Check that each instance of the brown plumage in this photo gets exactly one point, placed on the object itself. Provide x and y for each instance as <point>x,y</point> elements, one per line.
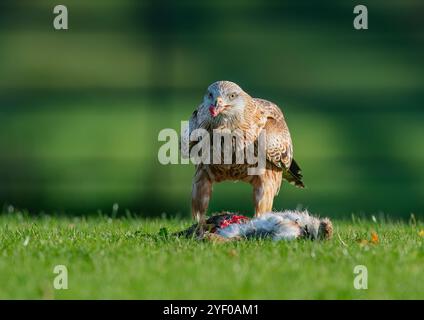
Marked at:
<point>226,106</point>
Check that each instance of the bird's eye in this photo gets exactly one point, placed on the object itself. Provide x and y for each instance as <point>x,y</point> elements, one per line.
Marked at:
<point>210,95</point>
<point>232,96</point>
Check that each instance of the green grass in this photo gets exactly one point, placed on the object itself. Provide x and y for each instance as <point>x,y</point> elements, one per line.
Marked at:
<point>114,258</point>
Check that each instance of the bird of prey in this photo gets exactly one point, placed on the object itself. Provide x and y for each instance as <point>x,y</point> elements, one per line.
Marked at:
<point>226,106</point>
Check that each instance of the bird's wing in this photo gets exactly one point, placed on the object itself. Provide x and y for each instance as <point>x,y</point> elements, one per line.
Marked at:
<point>279,147</point>
<point>196,121</point>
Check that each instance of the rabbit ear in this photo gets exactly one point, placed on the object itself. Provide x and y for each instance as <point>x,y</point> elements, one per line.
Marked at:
<point>325,229</point>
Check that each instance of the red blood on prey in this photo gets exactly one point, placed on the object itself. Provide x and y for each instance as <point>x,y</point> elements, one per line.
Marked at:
<point>234,219</point>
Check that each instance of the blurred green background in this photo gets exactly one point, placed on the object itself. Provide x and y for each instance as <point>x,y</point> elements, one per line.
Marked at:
<point>80,110</point>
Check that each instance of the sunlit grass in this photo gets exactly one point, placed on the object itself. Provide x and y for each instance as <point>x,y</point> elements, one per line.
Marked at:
<point>126,258</point>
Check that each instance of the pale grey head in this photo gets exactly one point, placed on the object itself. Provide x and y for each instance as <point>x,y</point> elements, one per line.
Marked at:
<point>225,100</point>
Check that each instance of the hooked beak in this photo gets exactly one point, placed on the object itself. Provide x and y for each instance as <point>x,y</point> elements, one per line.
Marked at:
<point>215,109</point>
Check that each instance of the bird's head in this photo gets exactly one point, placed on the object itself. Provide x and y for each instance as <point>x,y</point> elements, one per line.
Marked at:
<point>225,99</point>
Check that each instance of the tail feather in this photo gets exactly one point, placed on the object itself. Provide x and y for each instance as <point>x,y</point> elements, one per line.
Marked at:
<point>294,175</point>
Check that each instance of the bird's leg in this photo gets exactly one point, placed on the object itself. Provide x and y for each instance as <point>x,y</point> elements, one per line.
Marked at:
<point>201,193</point>
<point>263,196</point>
